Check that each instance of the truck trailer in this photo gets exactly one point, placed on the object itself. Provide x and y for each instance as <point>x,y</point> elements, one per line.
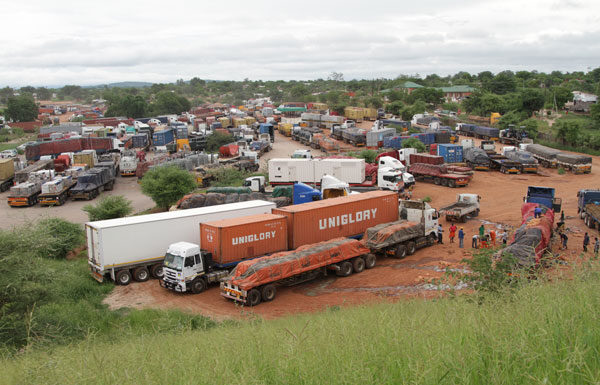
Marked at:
<point>134,246</point>
<point>256,280</point>
<point>439,174</point>
<point>588,207</point>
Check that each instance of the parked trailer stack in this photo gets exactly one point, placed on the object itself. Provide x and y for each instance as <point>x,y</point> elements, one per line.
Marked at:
<point>26,193</point>
<point>135,246</point>
<point>255,281</point>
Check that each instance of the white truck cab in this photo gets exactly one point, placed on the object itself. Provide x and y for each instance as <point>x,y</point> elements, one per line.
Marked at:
<point>302,154</point>
<point>506,149</point>
<point>404,155</point>
<point>187,268</point>
<point>420,212</point>
<point>387,162</point>
<point>255,183</point>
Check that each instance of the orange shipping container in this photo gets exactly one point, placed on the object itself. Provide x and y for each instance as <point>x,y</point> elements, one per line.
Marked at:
<point>338,217</point>
<point>237,239</point>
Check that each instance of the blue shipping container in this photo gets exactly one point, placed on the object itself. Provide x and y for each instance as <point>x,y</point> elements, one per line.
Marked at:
<point>452,153</point>
<point>164,137</point>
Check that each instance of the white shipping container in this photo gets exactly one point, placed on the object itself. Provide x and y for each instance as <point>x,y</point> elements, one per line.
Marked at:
<point>54,186</point>
<point>346,170</point>
<point>125,243</point>
<point>287,170</point>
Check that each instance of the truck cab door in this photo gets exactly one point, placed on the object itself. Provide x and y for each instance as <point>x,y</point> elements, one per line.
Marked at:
<point>189,267</point>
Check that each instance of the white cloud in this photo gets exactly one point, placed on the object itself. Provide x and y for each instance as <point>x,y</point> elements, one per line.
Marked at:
<point>67,42</point>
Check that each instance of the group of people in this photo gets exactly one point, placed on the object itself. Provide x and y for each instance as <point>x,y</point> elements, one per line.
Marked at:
<point>586,243</point>
<point>483,239</point>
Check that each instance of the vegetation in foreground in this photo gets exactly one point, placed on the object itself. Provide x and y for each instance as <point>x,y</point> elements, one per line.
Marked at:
<point>540,333</point>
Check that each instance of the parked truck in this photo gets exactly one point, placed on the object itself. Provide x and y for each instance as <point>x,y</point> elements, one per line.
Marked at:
<point>588,207</point>
<point>439,174</point>
<point>576,163</point>
<point>7,173</point>
<point>23,175</point>
<point>128,163</point>
<point>544,196</point>
<point>255,281</point>
<point>92,182</point>
<point>134,247</point>
<point>465,207</point>
<point>546,156</point>
<point>56,191</point>
<point>526,163</point>
<point>476,158</point>
<point>225,243</point>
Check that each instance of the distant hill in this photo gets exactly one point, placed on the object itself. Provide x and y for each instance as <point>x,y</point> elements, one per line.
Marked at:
<point>123,85</point>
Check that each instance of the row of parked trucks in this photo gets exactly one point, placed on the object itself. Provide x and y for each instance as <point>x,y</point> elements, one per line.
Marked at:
<point>270,246</point>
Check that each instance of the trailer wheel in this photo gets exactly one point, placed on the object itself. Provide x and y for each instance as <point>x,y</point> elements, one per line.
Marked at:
<point>268,292</point>
<point>123,277</point>
<point>345,269</point>
<point>400,252</point>
<point>444,182</point>
<point>436,180</point>
<point>358,264</point>
<point>141,274</point>
<point>451,183</point>
<point>157,271</point>
<point>431,239</point>
<point>253,297</point>
<point>370,261</point>
<point>198,285</point>
<point>411,248</point>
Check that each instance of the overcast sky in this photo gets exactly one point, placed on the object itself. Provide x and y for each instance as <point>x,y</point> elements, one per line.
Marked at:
<point>79,42</point>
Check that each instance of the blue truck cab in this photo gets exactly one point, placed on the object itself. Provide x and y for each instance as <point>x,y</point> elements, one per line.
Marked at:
<point>267,128</point>
<point>303,193</point>
<point>543,196</point>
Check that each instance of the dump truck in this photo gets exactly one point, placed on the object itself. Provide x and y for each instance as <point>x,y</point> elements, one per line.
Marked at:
<point>546,156</point>
<point>588,207</point>
<point>134,247</point>
<point>438,174</point>
<point>223,244</point>
<point>7,173</point>
<point>92,182</point>
<point>255,281</point>
<point>56,191</point>
<point>465,207</point>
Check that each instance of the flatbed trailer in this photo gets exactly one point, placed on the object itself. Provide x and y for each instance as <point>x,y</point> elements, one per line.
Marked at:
<point>438,175</point>
<point>503,164</point>
<point>24,200</point>
<point>6,183</point>
<point>56,199</point>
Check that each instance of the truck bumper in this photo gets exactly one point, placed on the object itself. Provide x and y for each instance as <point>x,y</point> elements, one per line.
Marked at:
<point>127,173</point>
<point>175,286</point>
<point>96,273</point>
<point>233,292</point>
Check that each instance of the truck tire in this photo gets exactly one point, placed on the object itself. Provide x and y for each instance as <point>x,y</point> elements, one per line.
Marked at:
<point>123,277</point>
<point>431,239</point>
<point>345,269</point>
<point>268,292</point>
<point>436,180</point>
<point>444,182</point>
<point>370,261</point>
<point>198,285</point>
<point>157,270</point>
<point>400,252</point>
<point>358,264</point>
<point>141,274</point>
<point>411,248</point>
<point>253,297</point>
<point>451,183</point>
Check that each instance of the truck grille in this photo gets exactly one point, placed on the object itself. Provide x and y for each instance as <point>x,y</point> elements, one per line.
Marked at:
<point>169,275</point>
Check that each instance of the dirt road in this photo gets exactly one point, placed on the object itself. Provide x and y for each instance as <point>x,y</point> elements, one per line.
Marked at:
<point>392,279</point>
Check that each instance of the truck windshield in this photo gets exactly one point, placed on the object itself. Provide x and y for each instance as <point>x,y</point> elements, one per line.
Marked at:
<point>174,262</point>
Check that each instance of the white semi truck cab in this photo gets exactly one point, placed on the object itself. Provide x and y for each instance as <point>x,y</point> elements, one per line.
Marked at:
<point>420,212</point>
<point>187,268</point>
<point>389,169</point>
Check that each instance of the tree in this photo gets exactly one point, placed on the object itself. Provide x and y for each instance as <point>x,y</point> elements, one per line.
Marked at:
<point>22,108</point>
<point>336,76</point>
<point>595,113</point>
<point>374,101</point>
<point>414,143</point>
<point>511,117</point>
<point>166,185</point>
<point>530,126</point>
<point>129,106</point>
<point>502,83</point>
<point>568,131</point>
<point>532,100</point>
<point>427,95</point>
<point>110,207</point>
<point>394,108</point>
<point>216,140</point>
<point>168,102</point>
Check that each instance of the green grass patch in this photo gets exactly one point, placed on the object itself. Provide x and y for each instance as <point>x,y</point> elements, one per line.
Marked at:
<point>542,333</point>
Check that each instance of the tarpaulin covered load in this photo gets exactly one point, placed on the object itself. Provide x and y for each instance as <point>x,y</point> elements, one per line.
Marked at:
<point>229,150</point>
<point>193,201</point>
<point>522,157</point>
<point>544,151</point>
<point>490,132</point>
<point>572,158</point>
<point>388,234</point>
<point>532,237</point>
<point>355,135</point>
<point>229,190</point>
<point>476,155</point>
<point>256,272</point>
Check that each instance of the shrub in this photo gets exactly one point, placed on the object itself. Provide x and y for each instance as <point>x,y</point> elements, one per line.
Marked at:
<point>561,171</point>
<point>216,140</point>
<point>427,199</point>
<point>414,143</point>
<point>166,185</point>
<point>115,206</point>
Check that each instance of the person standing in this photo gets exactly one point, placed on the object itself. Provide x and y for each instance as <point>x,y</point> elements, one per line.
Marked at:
<point>565,239</point>
<point>461,238</point>
<point>493,237</point>
<point>474,241</point>
<point>537,212</point>
<point>440,231</point>
<point>504,237</point>
<point>596,246</point>
<point>481,231</point>
<point>586,241</point>
<point>452,233</point>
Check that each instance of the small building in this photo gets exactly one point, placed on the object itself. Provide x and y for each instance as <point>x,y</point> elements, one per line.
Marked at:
<point>456,93</point>
<point>581,102</point>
